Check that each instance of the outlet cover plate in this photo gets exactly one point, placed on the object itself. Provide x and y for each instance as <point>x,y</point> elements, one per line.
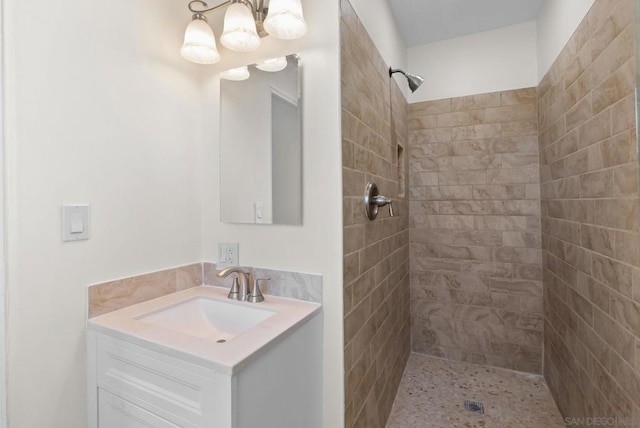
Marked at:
<point>228,254</point>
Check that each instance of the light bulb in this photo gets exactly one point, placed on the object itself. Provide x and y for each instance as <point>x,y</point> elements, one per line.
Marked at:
<point>285,19</point>
<point>199,43</point>
<point>273,65</point>
<point>239,29</point>
<point>237,74</point>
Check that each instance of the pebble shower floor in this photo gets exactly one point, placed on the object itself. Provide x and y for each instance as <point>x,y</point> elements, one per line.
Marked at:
<point>433,392</point>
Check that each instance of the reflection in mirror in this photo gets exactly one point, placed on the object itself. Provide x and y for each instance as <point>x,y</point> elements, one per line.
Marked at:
<point>261,145</point>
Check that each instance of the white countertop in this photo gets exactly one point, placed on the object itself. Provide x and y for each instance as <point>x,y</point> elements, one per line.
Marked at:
<point>228,357</point>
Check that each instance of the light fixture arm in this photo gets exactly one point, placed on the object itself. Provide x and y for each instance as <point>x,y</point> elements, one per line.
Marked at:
<point>208,9</point>
<point>258,11</point>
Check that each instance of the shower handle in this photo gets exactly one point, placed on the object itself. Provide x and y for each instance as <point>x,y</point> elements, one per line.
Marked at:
<point>373,201</point>
<point>381,201</point>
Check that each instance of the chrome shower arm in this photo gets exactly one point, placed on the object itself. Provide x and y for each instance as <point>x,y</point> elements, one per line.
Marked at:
<point>392,71</point>
<point>413,79</point>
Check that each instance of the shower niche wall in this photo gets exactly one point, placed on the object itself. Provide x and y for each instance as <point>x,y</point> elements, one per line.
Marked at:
<point>476,277</point>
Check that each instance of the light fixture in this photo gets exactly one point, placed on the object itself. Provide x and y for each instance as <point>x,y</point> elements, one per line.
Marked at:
<point>285,20</point>
<point>273,65</point>
<point>239,29</point>
<point>237,74</point>
<point>199,44</point>
<point>244,25</point>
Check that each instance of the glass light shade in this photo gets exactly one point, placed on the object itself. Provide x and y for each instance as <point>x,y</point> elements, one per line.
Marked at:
<point>273,65</point>
<point>240,73</point>
<point>239,29</point>
<point>199,43</point>
<point>285,19</point>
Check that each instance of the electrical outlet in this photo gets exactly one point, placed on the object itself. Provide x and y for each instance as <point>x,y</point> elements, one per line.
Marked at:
<point>228,254</point>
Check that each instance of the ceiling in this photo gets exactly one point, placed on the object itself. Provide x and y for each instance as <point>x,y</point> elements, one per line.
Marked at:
<point>426,21</point>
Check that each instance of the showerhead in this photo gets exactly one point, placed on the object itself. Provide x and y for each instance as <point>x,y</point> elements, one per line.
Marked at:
<point>414,80</point>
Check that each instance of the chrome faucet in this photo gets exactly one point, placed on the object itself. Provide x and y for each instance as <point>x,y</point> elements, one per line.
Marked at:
<point>241,276</point>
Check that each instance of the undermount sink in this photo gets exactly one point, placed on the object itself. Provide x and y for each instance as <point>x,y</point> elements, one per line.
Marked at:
<point>208,318</point>
<point>203,326</point>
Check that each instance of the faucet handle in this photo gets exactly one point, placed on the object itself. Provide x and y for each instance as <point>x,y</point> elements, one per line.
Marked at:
<point>234,292</point>
<point>256,295</point>
<point>381,201</point>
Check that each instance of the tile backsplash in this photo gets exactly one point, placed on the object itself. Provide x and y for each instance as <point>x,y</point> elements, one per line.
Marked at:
<point>113,295</point>
<point>293,285</point>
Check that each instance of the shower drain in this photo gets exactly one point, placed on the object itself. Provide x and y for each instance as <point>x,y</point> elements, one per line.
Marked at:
<point>474,406</point>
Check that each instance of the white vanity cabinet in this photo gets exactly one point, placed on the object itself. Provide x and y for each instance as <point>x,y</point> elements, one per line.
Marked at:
<point>134,383</point>
<point>116,412</point>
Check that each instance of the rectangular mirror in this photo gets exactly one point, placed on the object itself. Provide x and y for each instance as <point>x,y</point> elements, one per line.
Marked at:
<point>261,145</point>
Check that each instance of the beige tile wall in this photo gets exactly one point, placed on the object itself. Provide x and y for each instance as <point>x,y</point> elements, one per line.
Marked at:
<point>376,254</point>
<point>590,219</point>
<point>475,229</point>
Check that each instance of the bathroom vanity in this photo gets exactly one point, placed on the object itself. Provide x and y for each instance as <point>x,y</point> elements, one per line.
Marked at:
<point>197,359</point>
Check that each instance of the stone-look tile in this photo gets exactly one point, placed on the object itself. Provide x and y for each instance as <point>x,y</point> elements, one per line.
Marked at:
<point>433,391</point>
<point>475,102</point>
<point>376,253</point>
<point>504,191</point>
<point>625,180</point>
<point>520,97</point>
<point>293,285</point>
<point>580,113</point>
<point>589,182</point>
<point>110,296</point>
<point>616,87</point>
<point>524,143</point>
<point>189,276</point>
<point>476,230</point>
<point>209,275</point>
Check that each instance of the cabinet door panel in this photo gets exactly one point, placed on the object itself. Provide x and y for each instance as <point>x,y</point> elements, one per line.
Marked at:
<point>114,412</point>
<point>176,390</point>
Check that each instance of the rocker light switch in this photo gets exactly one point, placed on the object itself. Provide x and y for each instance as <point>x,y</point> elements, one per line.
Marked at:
<point>75,222</point>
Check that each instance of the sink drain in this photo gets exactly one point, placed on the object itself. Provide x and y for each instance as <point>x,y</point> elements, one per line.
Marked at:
<point>474,406</point>
<point>220,341</point>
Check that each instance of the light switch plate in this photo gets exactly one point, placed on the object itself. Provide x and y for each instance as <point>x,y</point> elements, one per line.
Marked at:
<point>75,222</point>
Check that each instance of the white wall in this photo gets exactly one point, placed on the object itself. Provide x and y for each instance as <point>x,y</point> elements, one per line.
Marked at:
<point>507,58</point>
<point>100,109</point>
<point>378,20</point>
<point>489,61</point>
<point>557,21</point>
<point>316,245</point>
